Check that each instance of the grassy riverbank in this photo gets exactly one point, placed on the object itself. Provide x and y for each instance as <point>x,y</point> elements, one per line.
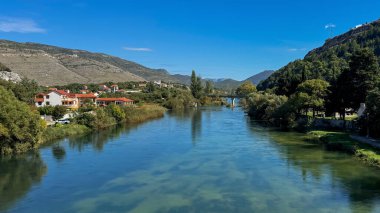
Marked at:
<point>62,131</point>
<point>341,141</point>
<point>131,115</point>
<point>143,113</point>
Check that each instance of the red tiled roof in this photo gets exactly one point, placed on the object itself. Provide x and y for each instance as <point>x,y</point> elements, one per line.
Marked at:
<point>38,100</point>
<point>114,99</point>
<point>90,95</point>
<point>63,92</point>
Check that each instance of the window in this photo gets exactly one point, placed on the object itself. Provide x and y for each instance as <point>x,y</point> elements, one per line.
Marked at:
<point>39,103</point>
<point>47,103</point>
<point>48,96</point>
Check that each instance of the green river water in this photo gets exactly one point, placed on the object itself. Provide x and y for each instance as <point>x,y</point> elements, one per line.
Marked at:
<point>206,160</point>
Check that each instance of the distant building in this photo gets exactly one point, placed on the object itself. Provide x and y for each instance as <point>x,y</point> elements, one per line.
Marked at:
<point>104,88</point>
<point>117,101</point>
<point>142,84</point>
<point>114,88</point>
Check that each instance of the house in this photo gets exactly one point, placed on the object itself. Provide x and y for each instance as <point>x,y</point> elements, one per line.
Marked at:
<point>63,98</point>
<point>83,99</point>
<point>104,88</point>
<point>117,101</point>
<point>114,88</point>
<point>56,98</point>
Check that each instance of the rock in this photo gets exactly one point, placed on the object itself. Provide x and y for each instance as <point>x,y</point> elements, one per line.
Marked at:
<point>10,76</point>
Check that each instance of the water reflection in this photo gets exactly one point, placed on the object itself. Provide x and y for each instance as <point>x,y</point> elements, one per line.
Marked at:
<point>58,152</point>
<point>99,139</point>
<point>196,125</point>
<point>17,176</point>
<point>195,115</point>
<point>360,183</point>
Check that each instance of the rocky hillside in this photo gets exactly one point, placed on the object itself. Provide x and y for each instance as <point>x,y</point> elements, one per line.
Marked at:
<point>50,65</point>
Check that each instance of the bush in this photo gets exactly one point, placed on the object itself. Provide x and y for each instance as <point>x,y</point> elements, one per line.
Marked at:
<point>116,112</point>
<point>262,106</point>
<point>20,126</point>
<point>102,119</point>
<point>56,111</point>
<point>86,119</point>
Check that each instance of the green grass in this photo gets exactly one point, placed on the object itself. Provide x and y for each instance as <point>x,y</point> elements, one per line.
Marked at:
<point>62,131</point>
<point>143,113</point>
<point>341,141</point>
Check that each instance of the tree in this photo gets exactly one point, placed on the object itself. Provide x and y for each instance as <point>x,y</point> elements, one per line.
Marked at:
<point>150,87</point>
<point>59,112</point>
<point>355,83</point>
<point>24,90</point>
<point>246,88</point>
<point>373,112</point>
<point>313,93</point>
<point>262,106</point>
<point>196,85</point>
<point>209,87</point>
<point>20,126</point>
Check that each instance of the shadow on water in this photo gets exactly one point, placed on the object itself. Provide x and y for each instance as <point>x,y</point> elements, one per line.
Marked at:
<point>361,183</point>
<point>17,176</point>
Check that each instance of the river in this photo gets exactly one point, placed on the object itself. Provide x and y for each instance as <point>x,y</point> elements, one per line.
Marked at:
<point>206,160</point>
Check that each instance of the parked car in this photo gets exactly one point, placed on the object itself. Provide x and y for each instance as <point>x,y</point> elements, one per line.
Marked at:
<point>63,121</point>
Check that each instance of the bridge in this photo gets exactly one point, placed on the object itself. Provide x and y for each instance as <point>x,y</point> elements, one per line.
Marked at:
<point>228,96</point>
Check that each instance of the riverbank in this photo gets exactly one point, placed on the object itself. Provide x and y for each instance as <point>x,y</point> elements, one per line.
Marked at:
<point>341,141</point>
<point>132,115</point>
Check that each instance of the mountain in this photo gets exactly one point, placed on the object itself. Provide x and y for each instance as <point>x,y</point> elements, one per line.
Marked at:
<point>326,62</point>
<point>256,79</point>
<point>51,65</point>
<point>220,83</point>
<point>226,84</point>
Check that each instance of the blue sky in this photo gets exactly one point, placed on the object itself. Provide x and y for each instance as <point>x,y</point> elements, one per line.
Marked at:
<point>218,39</point>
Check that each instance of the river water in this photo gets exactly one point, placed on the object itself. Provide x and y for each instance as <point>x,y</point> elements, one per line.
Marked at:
<point>206,160</point>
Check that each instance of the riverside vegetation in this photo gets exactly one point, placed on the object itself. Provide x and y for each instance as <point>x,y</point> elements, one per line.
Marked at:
<point>21,128</point>
<point>330,79</point>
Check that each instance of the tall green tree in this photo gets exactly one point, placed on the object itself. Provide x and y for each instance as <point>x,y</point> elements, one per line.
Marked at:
<point>359,79</point>
<point>196,85</point>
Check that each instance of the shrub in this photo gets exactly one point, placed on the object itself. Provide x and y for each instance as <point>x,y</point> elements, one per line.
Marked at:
<point>20,126</point>
<point>116,112</point>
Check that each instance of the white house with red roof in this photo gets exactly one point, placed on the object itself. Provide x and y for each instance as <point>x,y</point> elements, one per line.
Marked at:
<point>63,98</point>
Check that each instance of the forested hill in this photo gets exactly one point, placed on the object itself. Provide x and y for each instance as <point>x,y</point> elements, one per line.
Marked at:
<point>326,62</point>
